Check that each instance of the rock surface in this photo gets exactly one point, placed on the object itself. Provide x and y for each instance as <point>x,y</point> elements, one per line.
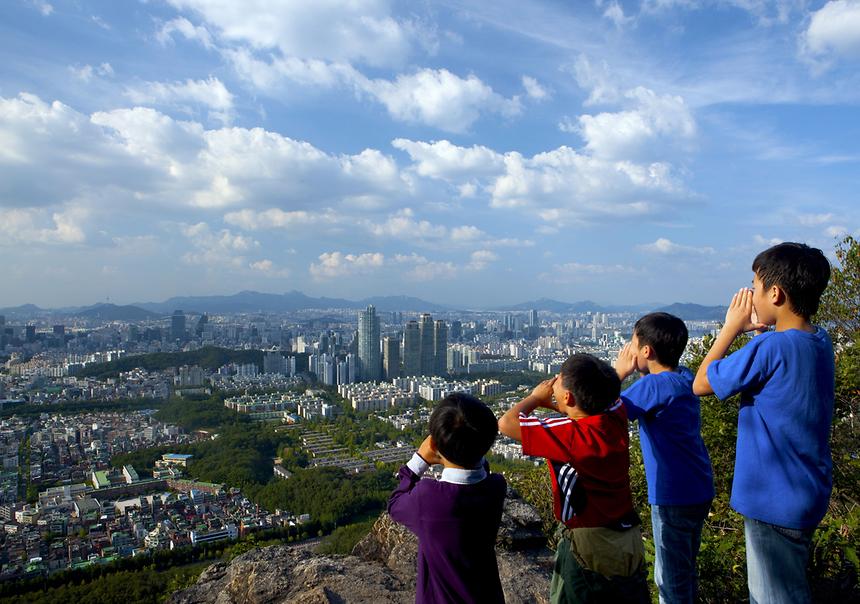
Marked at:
<point>380,569</point>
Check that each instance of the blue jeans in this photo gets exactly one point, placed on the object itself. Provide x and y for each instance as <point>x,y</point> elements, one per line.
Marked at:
<point>776,563</point>
<point>677,534</point>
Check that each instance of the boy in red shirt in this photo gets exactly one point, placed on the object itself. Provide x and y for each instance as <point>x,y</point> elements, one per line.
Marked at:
<point>600,556</point>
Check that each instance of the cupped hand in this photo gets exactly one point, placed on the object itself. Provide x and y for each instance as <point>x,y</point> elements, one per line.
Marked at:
<point>428,452</point>
<point>740,315</point>
<point>542,393</point>
<point>625,364</point>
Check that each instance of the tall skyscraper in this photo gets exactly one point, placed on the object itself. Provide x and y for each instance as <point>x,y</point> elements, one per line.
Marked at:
<point>428,362</point>
<point>533,318</point>
<point>412,349</point>
<point>455,331</point>
<point>30,333</point>
<point>177,325</point>
<point>440,348</point>
<point>391,357</point>
<point>369,358</point>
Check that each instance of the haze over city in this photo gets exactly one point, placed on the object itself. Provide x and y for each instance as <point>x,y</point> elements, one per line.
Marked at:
<point>468,153</point>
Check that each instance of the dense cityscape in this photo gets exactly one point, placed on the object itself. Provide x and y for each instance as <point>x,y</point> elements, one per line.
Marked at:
<point>65,505</point>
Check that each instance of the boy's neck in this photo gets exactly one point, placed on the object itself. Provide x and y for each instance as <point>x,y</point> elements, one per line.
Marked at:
<point>654,367</point>
<point>789,320</point>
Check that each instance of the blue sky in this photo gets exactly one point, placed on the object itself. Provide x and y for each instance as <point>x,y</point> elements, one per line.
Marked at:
<point>470,153</point>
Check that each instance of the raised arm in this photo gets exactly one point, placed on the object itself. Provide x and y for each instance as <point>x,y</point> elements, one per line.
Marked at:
<point>738,320</point>
<point>541,396</point>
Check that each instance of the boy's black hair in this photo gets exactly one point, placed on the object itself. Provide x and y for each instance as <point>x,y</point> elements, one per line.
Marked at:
<point>463,429</point>
<point>666,335</point>
<point>802,272</point>
<point>593,383</point>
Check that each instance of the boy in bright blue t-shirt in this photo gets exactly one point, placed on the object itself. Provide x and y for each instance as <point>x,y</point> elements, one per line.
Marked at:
<point>677,466</point>
<point>783,468</point>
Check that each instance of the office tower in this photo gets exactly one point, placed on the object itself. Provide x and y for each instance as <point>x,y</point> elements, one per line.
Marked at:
<point>177,325</point>
<point>412,349</point>
<point>30,333</point>
<point>440,347</point>
<point>59,330</point>
<point>428,362</point>
<point>455,331</point>
<point>201,325</point>
<point>369,358</point>
<point>533,318</point>
<point>391,357</point>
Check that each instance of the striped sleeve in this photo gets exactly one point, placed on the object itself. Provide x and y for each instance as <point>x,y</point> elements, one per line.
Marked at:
<point>547,437</point>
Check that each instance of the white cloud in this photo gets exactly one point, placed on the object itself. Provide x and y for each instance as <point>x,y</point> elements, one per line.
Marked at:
<point>332,30</point>
<point>836,231</point>
<point>101,22</point>
<point>665,247</point>
<point>833,32</point>
<point>652,124</point>
<point>615,13</point>
<point>814,220</point>
<point>481,259</point>
<point>209,93</point>
<point>88,72</point>
<point>188,30</point>
<point>441,159</point>
<point>767,241</point>
<point>439,98</point>
<point>26,226</point>
<point>217,249</point>
<point>423,269</point>
<point>338,264</point>
<point>579,272</point>
<point>268,268</point>
<point>597,80</point>
<point>403,225</point>
<point>467,233</point>
<point>276,218</point>
<point>43,7</point>
<point>533,89</point>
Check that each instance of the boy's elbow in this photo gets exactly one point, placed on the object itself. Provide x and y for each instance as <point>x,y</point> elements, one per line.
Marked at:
<point>506,427</point>
<point>701,385</point>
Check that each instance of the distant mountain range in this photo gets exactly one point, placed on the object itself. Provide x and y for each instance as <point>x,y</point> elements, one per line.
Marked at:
<point>250,302</point>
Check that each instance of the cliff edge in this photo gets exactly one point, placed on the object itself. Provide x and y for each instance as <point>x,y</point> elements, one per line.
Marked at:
<point>381,568</point>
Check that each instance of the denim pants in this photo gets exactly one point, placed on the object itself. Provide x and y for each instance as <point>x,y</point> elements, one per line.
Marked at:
<point>776,562</point>
<point>677,534</point>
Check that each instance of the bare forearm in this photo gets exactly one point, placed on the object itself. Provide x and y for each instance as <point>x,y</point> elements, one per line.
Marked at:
<point>509,423</point>
<point>721,345</point>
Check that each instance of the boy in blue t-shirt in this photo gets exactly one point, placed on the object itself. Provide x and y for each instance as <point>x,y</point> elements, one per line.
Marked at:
<point>783,468</point>
<point>677,466</point>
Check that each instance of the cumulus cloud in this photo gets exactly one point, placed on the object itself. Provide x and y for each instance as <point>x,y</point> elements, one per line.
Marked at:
<point>210,93</point>
<point>268,268</point>
<point>481,259</point>
<point>43,7</point>
<point>652,124</point>
<point>439,98</point>
<point>338,264</point>
<point>533,89</point>
<point>665,247</point>
<point>422,269</point>
<point>814,220</point>
<point>185,28</point>
<point>577,272</point>
<point>446,161</point>
<point>217,249</point>
<point>833,33</point>
<point>403,225</point>
<point>766,241</point>
<point>19,226</point>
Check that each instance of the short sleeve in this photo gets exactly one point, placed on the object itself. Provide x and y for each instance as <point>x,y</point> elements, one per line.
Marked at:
<point>640,398</point>
<point>547,437</point>
<point>744,369</point>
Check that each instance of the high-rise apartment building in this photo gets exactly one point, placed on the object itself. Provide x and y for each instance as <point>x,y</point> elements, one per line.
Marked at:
<point>455,331</point>
<point>428,361</point>
<point>391,357</point>
<point>369,358</point>
<point>440,347</point>
<point>412,349</point>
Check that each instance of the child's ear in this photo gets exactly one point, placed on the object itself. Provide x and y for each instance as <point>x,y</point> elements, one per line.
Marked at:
<point>777,295</point>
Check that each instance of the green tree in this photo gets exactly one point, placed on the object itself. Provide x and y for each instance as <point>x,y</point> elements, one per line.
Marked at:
<point>840,304</point>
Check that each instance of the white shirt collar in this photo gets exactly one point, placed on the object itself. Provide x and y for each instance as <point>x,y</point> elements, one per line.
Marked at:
<point>463,476</point>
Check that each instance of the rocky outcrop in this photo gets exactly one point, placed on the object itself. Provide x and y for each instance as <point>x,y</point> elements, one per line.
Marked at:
<point>381,568</point>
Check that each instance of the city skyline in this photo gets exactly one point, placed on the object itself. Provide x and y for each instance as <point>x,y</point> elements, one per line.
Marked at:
<point>467,153</point>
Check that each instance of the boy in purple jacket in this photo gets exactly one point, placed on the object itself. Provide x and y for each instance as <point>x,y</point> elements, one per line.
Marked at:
<point>456,518</point>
